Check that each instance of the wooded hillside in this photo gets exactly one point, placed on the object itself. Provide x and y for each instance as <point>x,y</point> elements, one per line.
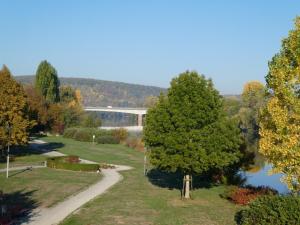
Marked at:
<point>104,93</point>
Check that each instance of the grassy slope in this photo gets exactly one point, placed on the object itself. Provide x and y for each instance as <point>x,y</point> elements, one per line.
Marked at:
<point>135,200</point>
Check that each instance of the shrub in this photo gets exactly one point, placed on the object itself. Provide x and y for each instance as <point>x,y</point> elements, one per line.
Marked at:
<point>120,134</point>
<point>101,132</point>
<point>61,163</point>
<point>107,140</point>
<point>275,210</point>
<point>244,195</point>
<point>135,143</point>
<point>72,159</point>
<point>85,135</point>
<point>70,132</point>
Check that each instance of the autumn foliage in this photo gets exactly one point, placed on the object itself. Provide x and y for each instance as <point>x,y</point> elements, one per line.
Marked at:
<point>280,120</point>
<point>14,121</point>
<point>244,195</point>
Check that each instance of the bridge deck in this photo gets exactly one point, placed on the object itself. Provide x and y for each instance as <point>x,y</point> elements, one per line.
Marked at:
<point>137,111</point>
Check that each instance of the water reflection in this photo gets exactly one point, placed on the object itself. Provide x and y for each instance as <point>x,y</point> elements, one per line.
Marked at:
<point>258,176</point>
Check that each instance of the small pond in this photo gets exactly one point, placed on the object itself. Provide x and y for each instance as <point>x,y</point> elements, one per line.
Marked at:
<point>260,177</point>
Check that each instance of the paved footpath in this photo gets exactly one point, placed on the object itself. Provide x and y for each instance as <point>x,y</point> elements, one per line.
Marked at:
<point>55,214</point>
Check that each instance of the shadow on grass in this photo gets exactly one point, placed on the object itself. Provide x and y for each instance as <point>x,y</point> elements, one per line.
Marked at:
<point>48,147</point>
<point>15,173</point>
<point>31,149</point>
<point>17,207</point>
<point>175,180</point>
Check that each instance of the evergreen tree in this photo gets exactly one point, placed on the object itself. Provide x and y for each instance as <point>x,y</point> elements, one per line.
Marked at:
<point>14,122</point>
<point>280,120</point>
<point>187,130</point>
<point>46,82</point>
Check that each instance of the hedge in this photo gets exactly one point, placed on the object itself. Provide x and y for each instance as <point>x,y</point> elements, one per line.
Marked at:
<point>61,162</point>
<point>275,210</point>
<point>86,134</point>
<point>107,140</point>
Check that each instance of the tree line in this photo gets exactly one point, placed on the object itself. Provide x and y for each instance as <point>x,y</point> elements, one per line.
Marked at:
<point>103,93</point>
<point>45,106</point>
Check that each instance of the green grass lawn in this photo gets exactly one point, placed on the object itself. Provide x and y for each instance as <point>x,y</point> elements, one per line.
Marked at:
<point>46,186</point>
<point>24,156</point>
<point>136,200</point>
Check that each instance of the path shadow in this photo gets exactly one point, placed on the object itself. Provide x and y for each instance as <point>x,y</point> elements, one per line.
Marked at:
<point>17,207</point>
<point>175,180</point>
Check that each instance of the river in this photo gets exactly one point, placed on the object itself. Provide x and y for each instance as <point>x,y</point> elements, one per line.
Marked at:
<point>260,177</point>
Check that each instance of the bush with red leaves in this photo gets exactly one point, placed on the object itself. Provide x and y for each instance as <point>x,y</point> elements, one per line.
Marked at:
<point>244,195</point>
<point>72,159</point>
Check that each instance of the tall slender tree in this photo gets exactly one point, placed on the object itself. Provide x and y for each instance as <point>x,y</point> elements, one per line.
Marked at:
<point>280,121</point>
<point>46,82</point>
<point>187,131</point>
<point>253,99</point>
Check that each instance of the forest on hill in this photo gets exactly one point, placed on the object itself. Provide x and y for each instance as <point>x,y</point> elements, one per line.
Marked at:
<point>104,93</point>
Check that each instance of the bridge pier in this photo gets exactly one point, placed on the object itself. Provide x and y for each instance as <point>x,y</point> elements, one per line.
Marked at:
<point>140,120</point>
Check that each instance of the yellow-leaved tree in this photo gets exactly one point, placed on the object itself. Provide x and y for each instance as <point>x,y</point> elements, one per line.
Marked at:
<point>14,122</point>
<point>280,118</point>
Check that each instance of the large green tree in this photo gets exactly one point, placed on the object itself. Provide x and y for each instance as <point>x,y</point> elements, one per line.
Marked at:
<point>14,122</point>
<point>46,82</point>
<point>187,130</point>
<point>280,121</point>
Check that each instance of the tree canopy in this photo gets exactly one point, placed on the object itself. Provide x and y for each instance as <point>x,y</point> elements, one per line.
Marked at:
<point>253,99</point>
<point>47,82</point>
<point>14,122</point>
<point>187,129</point>
<point>280,121</point>
<point>37,108</point>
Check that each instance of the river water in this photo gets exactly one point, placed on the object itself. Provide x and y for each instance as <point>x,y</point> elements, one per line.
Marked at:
<point>260,177</point>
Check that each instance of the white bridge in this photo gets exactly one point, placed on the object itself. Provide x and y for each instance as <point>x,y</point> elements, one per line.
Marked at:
<point>137,111</point>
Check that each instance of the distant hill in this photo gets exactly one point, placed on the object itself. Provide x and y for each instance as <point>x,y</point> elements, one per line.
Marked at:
<point>104,93</point>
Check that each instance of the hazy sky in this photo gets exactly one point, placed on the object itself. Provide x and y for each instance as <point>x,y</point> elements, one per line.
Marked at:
<point>146,42</point>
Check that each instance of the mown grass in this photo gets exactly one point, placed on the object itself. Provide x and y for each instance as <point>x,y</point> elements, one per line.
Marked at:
<point>140,200</point>
<point>23,156</point>
<point>47,186</point>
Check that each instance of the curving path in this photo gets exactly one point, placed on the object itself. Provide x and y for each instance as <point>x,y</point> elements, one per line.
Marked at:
<point>55,214</point>
<point>58,212</point>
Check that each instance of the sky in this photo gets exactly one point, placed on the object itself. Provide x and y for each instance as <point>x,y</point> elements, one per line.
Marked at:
<point>146,42</point>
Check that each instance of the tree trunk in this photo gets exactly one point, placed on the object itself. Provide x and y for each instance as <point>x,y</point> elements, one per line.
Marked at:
<point>187,186</point>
